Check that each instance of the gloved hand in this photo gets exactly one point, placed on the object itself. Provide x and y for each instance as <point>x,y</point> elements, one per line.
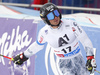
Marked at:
<point>91,64</point>
<point>19,59</point>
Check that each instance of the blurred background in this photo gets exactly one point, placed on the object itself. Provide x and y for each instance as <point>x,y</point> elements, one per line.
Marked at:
<point>23,17</point>
<point>70,3</point>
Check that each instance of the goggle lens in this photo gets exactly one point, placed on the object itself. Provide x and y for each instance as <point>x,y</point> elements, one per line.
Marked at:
<point>56,13</point>
<point>51,16</point>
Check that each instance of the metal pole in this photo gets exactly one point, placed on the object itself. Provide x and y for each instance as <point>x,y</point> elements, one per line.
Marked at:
<point>72,5</point>
<point>48,0</point>
<point>95,4</point>
<point>60,7</point>
<point>0,0</point>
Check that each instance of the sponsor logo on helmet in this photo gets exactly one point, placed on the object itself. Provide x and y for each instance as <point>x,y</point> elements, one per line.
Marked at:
<point>50,8</point>
<point>41,14</point>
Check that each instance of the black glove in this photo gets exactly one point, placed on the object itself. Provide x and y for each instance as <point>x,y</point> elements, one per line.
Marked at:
<point>91,64</point>
<point>19,59</point>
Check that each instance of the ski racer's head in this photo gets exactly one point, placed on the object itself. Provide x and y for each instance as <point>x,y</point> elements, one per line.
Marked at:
<point>50,14</point>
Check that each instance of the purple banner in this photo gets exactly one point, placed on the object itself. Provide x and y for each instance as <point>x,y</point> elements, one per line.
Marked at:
<point>15,36</point>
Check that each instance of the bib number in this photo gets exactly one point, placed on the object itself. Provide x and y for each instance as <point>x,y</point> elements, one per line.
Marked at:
<point>71,53</point>
<point>66,50</point>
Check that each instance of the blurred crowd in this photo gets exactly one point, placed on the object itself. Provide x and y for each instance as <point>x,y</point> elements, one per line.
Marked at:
<point>74,3</point>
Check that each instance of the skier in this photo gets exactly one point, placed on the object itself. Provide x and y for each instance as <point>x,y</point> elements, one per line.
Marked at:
<point>63,35</point>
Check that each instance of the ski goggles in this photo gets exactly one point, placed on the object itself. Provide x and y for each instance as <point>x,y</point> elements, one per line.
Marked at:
<point>52,15</point>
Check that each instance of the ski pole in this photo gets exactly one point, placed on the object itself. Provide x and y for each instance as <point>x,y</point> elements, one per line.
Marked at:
<point>7,57</point>
<point>94,57</point>
<point>97,71</point>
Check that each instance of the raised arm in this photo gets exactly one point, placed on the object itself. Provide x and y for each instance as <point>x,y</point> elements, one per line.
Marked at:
<point>31,50</point>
